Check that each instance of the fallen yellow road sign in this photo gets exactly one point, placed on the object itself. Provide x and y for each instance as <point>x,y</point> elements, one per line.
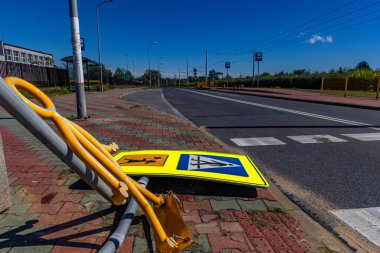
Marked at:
<point>218,167</point>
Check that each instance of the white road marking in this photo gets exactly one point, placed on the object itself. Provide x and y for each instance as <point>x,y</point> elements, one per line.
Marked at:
<point>260,141</point>
<point>321,138</point>
<point>365,220</point>
<point>344,121</point>
<point>365,136</point>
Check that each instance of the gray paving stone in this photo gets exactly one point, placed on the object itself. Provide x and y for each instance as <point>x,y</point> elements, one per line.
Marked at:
<point>200,244</point>
<point>224,204</point>
<point>255,205</point>
<point>22,247</point>
<point>273,205</point>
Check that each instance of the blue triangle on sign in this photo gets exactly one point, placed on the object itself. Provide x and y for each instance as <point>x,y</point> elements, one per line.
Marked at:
<point>215,164</point>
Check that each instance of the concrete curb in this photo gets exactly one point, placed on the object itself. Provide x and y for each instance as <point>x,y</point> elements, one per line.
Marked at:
<point>5,200</point>
<point>301,99</point>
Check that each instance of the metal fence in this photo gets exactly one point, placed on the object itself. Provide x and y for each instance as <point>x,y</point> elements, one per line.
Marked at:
<point>38,75</point>
<point>351,87</point>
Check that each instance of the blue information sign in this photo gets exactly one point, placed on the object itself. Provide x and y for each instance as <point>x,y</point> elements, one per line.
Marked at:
<point>82,47</point>
<point>258,56</point>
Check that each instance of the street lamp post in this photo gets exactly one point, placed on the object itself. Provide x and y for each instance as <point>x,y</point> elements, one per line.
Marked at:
<point>159,63</point>
<point>77,61</point>
<point>150,74</point>
<point>99,54</point>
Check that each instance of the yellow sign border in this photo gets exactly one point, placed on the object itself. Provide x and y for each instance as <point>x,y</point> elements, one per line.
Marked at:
<point>254,179</point>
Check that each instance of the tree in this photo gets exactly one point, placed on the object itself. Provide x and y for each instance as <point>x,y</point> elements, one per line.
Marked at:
<point>155,74</point>
<point>299,72</point>
<point>213,75</point>
<point>119,73</point>
<point>363,65</point>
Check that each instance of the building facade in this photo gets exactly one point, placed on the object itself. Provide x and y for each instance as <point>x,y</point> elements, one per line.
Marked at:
<point>34,66</point>
<point>16,54</point>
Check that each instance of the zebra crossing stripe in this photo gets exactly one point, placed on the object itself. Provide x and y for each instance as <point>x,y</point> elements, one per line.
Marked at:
<point>259,141</point>
<point>364,220</point>
<point>321,138</point>
<point>364,136</point>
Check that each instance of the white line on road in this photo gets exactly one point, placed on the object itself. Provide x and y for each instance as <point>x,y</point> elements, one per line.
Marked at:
<point>319,138</point>
<point>365,136</point>
<point>344,121</point>
<point>260,141</point>
<point>365,220</point>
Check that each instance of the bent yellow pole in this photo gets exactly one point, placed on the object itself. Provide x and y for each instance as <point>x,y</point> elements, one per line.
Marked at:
<point>97,157</point>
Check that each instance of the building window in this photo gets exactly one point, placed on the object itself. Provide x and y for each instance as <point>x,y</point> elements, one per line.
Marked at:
<point>23,57</point>
<point>29,59</point>
<point>40,61</point>
<point>35,59</point>
<point>8,55</point>
<point>1,48</point>
<point>48,62</point>
<point>16,56</point>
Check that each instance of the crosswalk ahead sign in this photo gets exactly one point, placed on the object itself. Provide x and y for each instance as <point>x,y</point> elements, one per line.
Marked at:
<point>215,164</point>
<point>209,166</point>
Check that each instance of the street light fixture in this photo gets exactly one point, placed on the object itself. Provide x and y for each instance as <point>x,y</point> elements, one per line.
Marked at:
<point>99,54</point>
<point>159,63</point>
<point>150,74</point>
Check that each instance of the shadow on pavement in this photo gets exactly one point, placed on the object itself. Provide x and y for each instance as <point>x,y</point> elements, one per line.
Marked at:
<point>35,238</point>
<point>199,187</point>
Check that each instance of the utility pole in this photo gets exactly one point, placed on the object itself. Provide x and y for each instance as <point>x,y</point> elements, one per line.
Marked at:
<point>206,64</point>
<point>175,79</point>
<point>258,73</point>
<point>77,61</point>
<point>133,68</point>
<point>150,73</point>
<point>187,71</point>
<point>126,61</point>
<point>98,30</point>
<point>166,80</point>
<point>179,77</point>
<point>253,68</point>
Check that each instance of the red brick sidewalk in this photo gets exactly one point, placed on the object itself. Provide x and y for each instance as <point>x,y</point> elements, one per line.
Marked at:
<point>307,97</point>
<point>55,212</point>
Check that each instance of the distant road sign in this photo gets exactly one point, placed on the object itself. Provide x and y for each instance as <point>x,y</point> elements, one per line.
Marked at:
<point>258,56</point>
<point>227,65</point>
<point>82,46</point>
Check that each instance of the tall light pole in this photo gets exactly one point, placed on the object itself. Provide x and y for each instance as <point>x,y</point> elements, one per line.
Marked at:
<point>159,63</point>
<point>126,62</point>
<point>99,54</point>
<point>187,71</point>
<point>150,74</point>
<point>77,60</point>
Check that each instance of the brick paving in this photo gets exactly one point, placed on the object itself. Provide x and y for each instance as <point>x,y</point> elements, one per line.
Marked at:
<point>53,211</point>
<point>298,95</point>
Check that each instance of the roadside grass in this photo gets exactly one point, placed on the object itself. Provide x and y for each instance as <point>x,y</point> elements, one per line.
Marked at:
<point>49,91</point>
<point>265,219</point>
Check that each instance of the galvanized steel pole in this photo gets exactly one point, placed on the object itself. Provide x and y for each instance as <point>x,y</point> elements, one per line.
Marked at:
<point>77,61</point>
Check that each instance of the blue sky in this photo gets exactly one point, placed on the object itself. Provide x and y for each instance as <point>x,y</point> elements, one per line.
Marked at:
<point>184,29</point>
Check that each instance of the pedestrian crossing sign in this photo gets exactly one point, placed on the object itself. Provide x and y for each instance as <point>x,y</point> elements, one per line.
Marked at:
<point>215,164</point>
<point>209,166</point>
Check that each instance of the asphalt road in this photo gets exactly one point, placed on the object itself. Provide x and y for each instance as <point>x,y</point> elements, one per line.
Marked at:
<point>333,172</point>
